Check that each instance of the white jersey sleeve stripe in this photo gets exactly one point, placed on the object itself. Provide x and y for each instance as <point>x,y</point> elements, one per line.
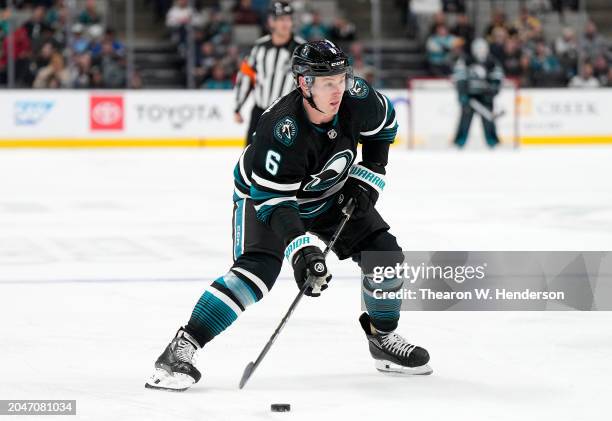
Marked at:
<point>275,186</point>
<point>275,201</point>
<point>379,128</point>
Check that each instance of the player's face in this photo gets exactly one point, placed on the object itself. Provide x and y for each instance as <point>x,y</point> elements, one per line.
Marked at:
<point>282,25</point>
<point>327,92</point>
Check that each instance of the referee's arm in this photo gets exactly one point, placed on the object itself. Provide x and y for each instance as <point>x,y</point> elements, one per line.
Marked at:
<point>245,81</point>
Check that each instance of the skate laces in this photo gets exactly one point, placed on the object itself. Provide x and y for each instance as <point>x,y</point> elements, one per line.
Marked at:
<point>185,351</point>
<point>397,344</point>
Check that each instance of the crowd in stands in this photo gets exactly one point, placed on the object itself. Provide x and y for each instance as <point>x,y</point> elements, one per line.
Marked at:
<point>55,48</point>
<point>572,59</point>
<point>51,51</point>
<point>217,57</point>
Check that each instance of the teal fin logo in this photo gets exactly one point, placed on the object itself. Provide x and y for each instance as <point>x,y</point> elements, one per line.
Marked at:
<point>286,130</point>
<point>360,89</point>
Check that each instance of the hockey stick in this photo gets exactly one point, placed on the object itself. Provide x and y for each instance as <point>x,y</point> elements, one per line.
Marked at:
<point>484,111</point>
<point>252,366</point>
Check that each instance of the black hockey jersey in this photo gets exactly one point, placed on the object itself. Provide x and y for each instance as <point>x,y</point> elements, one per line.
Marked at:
<point>295,163</point>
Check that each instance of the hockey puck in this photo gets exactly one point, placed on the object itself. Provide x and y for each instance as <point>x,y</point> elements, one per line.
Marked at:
<point>280,407</point>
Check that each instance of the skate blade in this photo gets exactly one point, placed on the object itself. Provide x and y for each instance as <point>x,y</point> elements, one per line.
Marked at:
<point>390,368</point>
<point>162,380</point>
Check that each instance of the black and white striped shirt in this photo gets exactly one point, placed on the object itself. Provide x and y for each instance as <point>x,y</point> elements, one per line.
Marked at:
<point>267,72</point>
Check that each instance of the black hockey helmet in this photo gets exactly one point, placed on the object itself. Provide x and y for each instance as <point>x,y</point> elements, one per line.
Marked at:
<point>320,58</point>
<point>280,8</point>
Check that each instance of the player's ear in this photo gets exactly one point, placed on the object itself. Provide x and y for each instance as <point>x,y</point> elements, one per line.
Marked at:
<point>303,86</point>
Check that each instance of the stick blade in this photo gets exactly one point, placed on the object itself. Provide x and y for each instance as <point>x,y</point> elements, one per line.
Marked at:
<point>246,375</point>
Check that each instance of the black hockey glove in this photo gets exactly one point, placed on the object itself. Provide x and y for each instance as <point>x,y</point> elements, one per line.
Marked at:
<point>308,263</point>
<point>364,184</point>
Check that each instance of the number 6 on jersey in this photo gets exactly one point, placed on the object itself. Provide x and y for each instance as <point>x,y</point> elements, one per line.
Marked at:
<point>272,161</point>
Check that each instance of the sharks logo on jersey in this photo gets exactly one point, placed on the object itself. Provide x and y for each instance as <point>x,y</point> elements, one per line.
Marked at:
<point>332,171</point>
<point>360,89</point>
<point>285,131</point>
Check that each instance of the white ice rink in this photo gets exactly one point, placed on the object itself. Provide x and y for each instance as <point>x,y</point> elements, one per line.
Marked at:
<point>103,254</point>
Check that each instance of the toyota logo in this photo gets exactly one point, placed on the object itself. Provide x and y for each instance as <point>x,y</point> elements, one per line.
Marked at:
<point>106,113</point>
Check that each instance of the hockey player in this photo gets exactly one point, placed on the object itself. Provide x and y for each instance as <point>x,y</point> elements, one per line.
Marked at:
<point>291,183</point>
<point>478,78</point>
<point>266,72</point>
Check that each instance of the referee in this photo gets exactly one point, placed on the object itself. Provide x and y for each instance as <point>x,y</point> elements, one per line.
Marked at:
<point>267,69</point>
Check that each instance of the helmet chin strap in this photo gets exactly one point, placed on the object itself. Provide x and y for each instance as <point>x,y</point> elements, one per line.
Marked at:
<point>310,100</point>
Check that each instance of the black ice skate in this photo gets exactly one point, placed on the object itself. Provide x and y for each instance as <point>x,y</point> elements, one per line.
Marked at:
<point>174,369</point>
<point>393,354</point>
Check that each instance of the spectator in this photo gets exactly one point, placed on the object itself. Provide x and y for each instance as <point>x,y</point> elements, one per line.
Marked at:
<point>112,66</point>
<point>525,78</point>
<point>219,79</point>
<point>244,14</point>
<point>97,80</point>
<point>217,30</point>
<point>81,72</point>
<point>439,51</point>
<point>511,60</point>
<point>54,75</point>
<point>57,18</point>
<point>498,21</point>
<point>109,36</point>
<point>53,12</point>
<point>600,69</point>
<point>22,50</point>
<point>585,79</point>
<point>231,61</point>
<point>36,25</point>
<point>90,15</point>
<point>566,49</point>
<point>498,43</point>
<point>592,43</point>
<point>342,32</point>
<point>42,59</point>
<point>315,30</point>
<point>5,16</point>
<point>179,15</point>
<point>206,58</point>
<point>527,25</point>
<point>463,29</point>
<point>80,44</point>
<point>439,18</point>
<point>544,67</point>
<point>178,19</point>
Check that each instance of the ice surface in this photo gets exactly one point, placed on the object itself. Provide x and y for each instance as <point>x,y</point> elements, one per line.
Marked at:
<point>103,254</point>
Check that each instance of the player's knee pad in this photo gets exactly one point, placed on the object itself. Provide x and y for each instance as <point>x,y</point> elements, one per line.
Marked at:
<point>385,244</point>
<point>254,272</point>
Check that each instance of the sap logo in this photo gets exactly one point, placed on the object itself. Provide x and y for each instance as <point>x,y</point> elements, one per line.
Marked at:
<point>30,113</point>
